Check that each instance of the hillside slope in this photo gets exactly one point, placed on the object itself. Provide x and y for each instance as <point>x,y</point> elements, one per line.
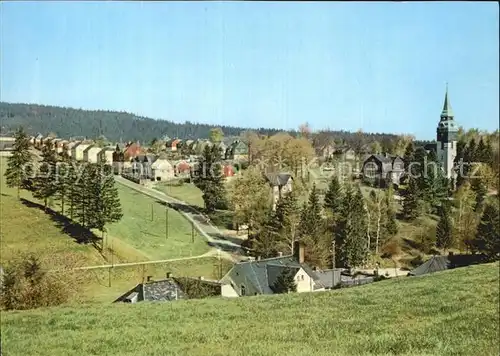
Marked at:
<point>449,313</point>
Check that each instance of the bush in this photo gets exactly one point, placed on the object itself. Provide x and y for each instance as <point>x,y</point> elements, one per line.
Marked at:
<point>391,249</point>
<point>26,285</point>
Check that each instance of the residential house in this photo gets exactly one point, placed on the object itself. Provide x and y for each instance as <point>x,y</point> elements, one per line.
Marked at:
<point>106,155</point>
<point>69,147</point>
<point>58,145</point>
<point>228,170</point>
<point>7,143</point>
<point>142,166</point>
<point>154,291</point>
<point>78,149</point>
<point>237,151</point>
<point>131,151</point>
<point>118,160</point>
<point>171,145</point>
<point>162,169</point>
<point>325,151</point>
<point>32,140</point>
<point>382,170</point>
<point>90,153</point>
<point>182,169</point>
<point>38,140</point>
<point>260,276</point>
<point>344,153</point>
<point>281,183</point>
<point>443,263</point>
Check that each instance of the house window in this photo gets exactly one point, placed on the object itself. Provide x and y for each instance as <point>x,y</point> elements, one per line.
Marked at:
<point>242,290</point>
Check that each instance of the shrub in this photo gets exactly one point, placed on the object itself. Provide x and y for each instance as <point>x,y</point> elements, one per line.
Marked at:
<point>26,285</point>
<point>391,249</point>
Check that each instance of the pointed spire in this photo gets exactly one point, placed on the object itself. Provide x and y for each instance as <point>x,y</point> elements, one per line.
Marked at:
<point>447,113</point>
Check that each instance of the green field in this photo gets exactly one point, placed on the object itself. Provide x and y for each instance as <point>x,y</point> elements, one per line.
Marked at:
<point>143,227</point>
<point>136,237</point>
<point>448,313</point>
<point>186,192</point>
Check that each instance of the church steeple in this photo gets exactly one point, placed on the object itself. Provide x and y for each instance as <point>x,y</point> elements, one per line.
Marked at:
<point>447,113</point>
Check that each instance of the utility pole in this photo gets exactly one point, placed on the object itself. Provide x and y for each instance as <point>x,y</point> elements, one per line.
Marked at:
<point>192,232</point>
<point>151,211</point>
<point>220,264</point>
<point>333,262</point>
<point>166,221</point>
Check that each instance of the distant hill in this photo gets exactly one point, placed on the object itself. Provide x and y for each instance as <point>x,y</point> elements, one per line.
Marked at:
<point>116,126</point>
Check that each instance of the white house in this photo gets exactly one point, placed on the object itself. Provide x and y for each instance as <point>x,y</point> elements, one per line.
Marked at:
<point>107,154</point>
<point>90,153</point>
<point>77,151</point>
<point>162,169</point>
<point>69,147</point>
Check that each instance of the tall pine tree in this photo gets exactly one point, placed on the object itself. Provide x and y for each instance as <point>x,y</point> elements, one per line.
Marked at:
<point>351,240</point>
<point>488,232</point>
<point>333,198</point>
<point>208,178</point>
<point>19,162</point>
<point>444,229</point>
<point>412,204</point>
<point>45,182</point>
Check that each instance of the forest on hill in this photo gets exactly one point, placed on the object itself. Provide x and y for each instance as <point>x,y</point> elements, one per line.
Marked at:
<point>117,126</point>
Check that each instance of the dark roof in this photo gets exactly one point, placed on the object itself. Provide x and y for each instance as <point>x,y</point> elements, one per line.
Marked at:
<point>165,290</point>
<point>330,277</point>
<point>146,158</point>
<point>278,179</point>
<point>442,263</point>
<point>263,273</point>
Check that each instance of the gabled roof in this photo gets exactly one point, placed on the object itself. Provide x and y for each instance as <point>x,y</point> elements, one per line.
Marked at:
<point>262,274</point>
<point>165,290</point>
<point>278,179</point>
<point>146,158</point>
<point>442,263</point>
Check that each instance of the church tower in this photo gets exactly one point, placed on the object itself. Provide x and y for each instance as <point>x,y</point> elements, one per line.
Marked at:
<point>447,131</point>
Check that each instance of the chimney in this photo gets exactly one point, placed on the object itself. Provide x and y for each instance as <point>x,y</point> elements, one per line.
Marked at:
<point>280,254</point>
<point>298,251</point>
<point>149,278</point>
<point>169,274</point>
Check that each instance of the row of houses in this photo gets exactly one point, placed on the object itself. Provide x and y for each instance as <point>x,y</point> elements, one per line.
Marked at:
<point>260,277</point>
<point>254,277</point>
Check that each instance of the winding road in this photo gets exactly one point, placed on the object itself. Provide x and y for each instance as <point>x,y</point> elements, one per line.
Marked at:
<point>215,237</point>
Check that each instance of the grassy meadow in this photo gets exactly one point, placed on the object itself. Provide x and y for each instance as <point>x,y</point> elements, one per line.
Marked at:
<point>448,313</point>
<point>25,228</point>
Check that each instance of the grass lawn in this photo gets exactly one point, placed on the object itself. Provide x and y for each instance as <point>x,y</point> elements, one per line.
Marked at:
<point>186,192</point>
<point>448,313</point>
<point>147,235</point>
<point>97,288</point>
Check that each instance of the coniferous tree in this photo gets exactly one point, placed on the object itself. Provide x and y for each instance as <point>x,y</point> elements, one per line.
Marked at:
<point>409,155</point>
<point>482,151</point>
<point>351,242</point>
<point>82,195</point>
<point>412,204</point>
<point>479,188</point>
<point>285,282</point>
<point>208,178</point>
<point>18,169</point>
<point>488,231</point>
<point>287,217</point>
<point>444,229</point>
<point>391,225</point>
<point>105,201</point>
<point>64,175</point>
<point>45,182</point>
<point>312,231</point>
<point>333,198</point>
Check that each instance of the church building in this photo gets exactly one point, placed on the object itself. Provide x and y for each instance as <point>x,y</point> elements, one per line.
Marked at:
<point>447,131</point>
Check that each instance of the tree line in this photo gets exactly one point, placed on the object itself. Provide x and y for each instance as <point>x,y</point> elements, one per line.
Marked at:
<point>85,192</point>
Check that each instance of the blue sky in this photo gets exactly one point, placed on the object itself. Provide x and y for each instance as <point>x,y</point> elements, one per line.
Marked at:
<point>381,67</point>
